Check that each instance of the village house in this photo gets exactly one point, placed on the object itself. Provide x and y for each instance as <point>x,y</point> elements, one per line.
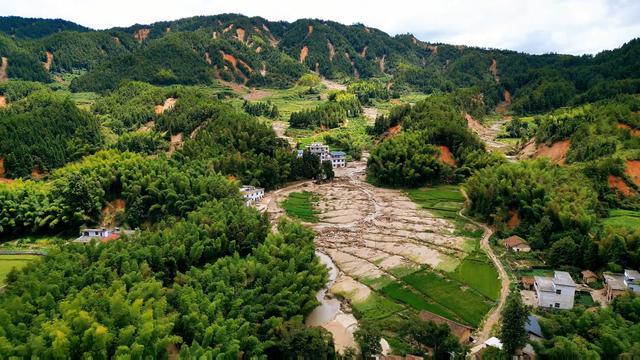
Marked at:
<point>528,283</point>
<point>462,332</point>
<point>555,292</point>
<point>589,277</point>
<point>102,234</point>
<point>516,243</point>
<point>337,158</point>
<point>251,194</point>
<point>616,284</point>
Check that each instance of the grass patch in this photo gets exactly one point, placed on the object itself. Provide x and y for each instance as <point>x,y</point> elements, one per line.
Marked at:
<point>480,275</point>
<point>625,219</point>
<point>8,262</point>
<point>416,300</point>
<point>300,205</point>
<point>375,307</point>
<point>469,305</point>
<point>584,299</point>
<point>376,283</point>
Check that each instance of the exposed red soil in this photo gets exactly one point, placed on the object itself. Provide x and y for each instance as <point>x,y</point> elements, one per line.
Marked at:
<point>4,65</point>
<point>303,53</point>
<point>309,30</point>
<point>3,101</point>
<point>245,65</point>
<point>110,211</point>
<point>476,126</point>
<point>233,86</point>
<point>434,49</point>
<point>36,173</point>
<point>363,53</point>
<point>47,64</point>
<point>228,28</point>
<point>501,108</point>
<point>557,152</point>
<point>259,49</point>
<point>116,40</point>
<point>147,126</point>
<point>446,156</point>
<point>142,34</point>
<point>617,183</point>
<point>1,168</point>
<point>168,104</point>
<point>633,171</point>
<point>332,50</point>
<point>195,131</point>
<point>240,33</point>
<point>634,132</point>
<point>514,219</point>
<point>393,131</point>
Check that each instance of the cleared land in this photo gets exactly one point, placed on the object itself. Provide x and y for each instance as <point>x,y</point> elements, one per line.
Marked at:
<point>396,256</point>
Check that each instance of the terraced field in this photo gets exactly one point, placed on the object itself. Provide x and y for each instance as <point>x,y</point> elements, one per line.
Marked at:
<point>396,256</point>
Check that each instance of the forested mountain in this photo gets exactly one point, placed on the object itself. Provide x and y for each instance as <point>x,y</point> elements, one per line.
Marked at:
<point>33,28</point>
<point>256,51</point>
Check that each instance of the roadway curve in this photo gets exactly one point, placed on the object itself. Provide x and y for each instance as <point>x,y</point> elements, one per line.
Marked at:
<point>493,317</point>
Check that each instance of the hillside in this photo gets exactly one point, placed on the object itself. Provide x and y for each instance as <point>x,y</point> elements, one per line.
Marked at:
<point>258,52</point>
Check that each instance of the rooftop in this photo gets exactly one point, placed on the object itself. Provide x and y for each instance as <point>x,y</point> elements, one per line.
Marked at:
<point>533,326</point>
<point>563,278</point>
<point>338,153</point>
<point>589,274</point>
<point>614,281</point>
<point>544,283</point>
<point>247,188</point>
<point>515,240</point>
<point>633,274</point>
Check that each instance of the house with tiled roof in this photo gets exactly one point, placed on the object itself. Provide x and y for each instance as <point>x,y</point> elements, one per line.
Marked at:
<point>516,243</point>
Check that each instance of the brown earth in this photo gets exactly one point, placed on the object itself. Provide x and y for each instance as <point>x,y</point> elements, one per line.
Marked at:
<point>142,34</point>
<point>303,53</point>
<point>370,113</point>
<point>256,94</point>
<point>363,53</point>
<point>488,135</point>
<point>214,35</point>
<point>110,212</point>
<point>494,70</point>
<point>234,63</point>
<point>195,131</point>
<point>228,28</point>
<point>116,40</point>
<point>167,30</point>
<point>3,101</point>
<point>36,173</point>
<point>502,106</point>
<point>446,156</point>
<point>175,143</point>
<point>309,30</point>
<point>240,33</point>
<point>259,49</point>
<point>633,171</point>
<point>393,131</point>
<point>148,125</point>
<point>557,152</point>
<point>168,104</point>
<point>634,132</point>
<point>332,50</point>
<point>381,62</point>
<point>207,58</point>
<point>332,85</point>
<point>47,64</point>
<point>4,65</point>
<point>1,168</point>
<point>434,49</point>
<point>617,183</point>
<point>514,219</point>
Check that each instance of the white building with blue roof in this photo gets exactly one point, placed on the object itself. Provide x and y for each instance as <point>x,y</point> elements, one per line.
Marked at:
<point>338,158</point>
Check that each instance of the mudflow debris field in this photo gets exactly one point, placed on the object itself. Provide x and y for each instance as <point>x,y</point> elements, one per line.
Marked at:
<point>381,242</point>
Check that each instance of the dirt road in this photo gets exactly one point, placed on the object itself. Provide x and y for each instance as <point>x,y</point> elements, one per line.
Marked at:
<point>493,317</point>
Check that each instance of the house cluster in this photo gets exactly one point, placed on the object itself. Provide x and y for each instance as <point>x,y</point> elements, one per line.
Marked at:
<point>555,292</point>
<point>102,235</point>
<point>617,284</point>
<point>338,158</point>
<point>251,194</point>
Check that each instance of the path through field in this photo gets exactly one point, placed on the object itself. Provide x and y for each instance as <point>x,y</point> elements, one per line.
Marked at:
<point>493,317</point>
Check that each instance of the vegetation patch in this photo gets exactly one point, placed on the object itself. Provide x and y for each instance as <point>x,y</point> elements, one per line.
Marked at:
<point>417,301</point>
<point>9,262</point>
<point>375,307</point>
<point>479,274</point>
<point>299,205</point>
<point>619,218</point>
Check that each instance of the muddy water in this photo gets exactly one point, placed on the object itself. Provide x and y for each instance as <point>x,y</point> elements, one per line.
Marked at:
<point>329,308</point>
<point>329,314</point>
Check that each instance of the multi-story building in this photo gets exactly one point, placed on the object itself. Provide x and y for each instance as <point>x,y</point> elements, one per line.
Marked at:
<point>617,284</point>
<point>555,292</point>
<point>251,194</point>
<point>337,158</point>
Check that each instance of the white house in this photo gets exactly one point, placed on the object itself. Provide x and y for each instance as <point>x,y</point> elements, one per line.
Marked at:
<point>632,280</point>
<point>337,158</point>
<point>102,234</point>
<point>555,292</point>
<point>251,194</point>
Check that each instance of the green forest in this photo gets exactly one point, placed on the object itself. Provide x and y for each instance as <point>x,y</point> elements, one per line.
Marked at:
<point>155,128</point>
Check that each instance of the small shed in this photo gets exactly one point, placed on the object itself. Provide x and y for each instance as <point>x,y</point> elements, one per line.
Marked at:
<point>516,243</point>
<point>528,282</point>
<point>589,277</point>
